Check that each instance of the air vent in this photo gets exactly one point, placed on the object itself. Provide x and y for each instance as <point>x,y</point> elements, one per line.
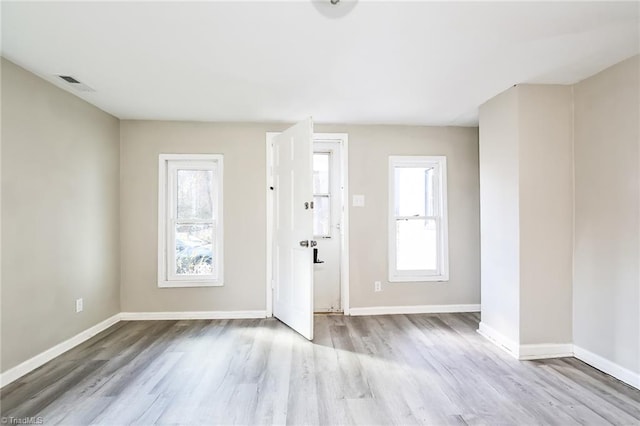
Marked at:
<point>76,84</point>
<point>69,79</point>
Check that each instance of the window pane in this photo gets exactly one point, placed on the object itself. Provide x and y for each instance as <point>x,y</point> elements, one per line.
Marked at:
<point>414,191</point>
<point>321,216</point>
<point>321,173</point>
<point>194,192</point>
<point>416,245</point>
<point>194,255</point>
<point>429,184</point>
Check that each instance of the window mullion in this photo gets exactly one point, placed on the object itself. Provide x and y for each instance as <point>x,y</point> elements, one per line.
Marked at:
<point>416,217</point>
<point>194,221</point>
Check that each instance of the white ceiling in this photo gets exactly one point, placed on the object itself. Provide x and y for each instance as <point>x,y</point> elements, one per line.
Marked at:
<point>384,62</point>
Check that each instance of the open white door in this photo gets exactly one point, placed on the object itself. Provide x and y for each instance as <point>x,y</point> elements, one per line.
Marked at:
<point>293,227</point>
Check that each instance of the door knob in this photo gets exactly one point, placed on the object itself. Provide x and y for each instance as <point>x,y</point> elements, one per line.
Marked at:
<point>304,243</point>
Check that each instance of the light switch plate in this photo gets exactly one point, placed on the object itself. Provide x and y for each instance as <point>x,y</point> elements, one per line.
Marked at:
<point>358,201</point>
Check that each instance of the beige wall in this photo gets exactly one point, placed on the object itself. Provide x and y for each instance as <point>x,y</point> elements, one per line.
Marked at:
<point>546,212</point>
<point>526,184</point>
<point>606,293</point>
<point>499,207</point>
<point>60,198</point>
<point>244,150</point>
<point>243,146</point>
<point>369,151</point>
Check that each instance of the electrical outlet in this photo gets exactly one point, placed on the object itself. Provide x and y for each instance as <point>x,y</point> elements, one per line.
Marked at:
<point>79,305</point>
<point>377,286</point>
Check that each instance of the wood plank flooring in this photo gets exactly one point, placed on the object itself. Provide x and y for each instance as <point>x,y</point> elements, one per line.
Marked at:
<point>395,369</point>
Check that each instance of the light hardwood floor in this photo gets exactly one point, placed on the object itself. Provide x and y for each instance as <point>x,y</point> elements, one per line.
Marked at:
<point>396,369</point>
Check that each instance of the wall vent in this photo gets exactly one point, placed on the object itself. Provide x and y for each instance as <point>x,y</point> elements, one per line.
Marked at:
<point>75,83</point>
<point>69,79</point>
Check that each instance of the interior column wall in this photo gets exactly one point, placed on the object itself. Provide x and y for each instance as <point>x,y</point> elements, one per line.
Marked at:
<point>499,216</point>
<point>526,216</point>
<point>546,213</point>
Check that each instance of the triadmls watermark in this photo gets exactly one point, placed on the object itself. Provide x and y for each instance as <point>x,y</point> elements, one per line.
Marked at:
<point>22,420</point>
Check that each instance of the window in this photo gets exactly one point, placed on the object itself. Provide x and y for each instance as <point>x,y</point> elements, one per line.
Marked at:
<point>190,220</point>
<point>418,249</point>
<point>321,195</point>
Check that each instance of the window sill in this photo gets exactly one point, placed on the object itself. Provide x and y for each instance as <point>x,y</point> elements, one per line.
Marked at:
<point>424,278</point>
<point>187,284</point>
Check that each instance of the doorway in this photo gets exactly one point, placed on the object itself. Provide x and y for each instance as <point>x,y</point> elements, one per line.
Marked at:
<point>327,225</point>
<point>331,224</point>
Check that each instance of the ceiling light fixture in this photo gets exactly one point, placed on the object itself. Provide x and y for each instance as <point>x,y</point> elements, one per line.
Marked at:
<point>334,8</point>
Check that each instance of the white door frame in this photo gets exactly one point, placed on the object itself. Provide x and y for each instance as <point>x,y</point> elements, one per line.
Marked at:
<point>343,139</point>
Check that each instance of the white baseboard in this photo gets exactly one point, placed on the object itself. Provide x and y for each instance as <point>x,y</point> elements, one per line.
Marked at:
<point>525,352</point>
<point>417,309</point>
<point>546,350</point>
<point>499,339</point>
<point>31,364</point>
<point>619,372</point>
<point>191,315</point>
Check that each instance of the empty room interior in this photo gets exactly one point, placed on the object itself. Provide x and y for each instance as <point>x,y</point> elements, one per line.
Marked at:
<point>320,212</point>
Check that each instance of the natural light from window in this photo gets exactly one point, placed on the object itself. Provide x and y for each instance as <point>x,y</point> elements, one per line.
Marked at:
<point>417,228</point>
<point>321,195</point>
<point>190,220</point>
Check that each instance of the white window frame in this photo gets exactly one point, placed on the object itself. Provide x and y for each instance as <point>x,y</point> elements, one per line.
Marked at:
<point>441,273</point>
<point>168,164</point>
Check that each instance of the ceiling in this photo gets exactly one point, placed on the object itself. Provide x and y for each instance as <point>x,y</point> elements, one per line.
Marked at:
<point>383,62</point>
